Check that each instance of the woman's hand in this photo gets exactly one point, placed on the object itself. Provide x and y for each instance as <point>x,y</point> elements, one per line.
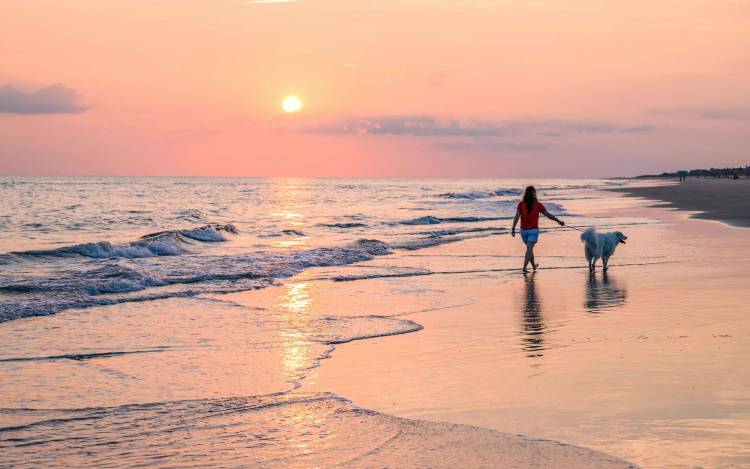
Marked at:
<point>513,232</point>
<point>562,223</point>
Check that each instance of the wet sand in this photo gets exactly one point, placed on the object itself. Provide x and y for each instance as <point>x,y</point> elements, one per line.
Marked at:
<point>726,200</point>
<point>646,362</point>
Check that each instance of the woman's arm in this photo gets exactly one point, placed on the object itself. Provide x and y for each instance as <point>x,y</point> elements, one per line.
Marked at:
<point>515,222</point>
<point>551,217</point>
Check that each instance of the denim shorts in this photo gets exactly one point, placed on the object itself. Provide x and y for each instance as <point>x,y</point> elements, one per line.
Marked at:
<point>530,236</point>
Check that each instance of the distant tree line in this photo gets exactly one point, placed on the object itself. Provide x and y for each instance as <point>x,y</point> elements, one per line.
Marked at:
<point>731,173</point>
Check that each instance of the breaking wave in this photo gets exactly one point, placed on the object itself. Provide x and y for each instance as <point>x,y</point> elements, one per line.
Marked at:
<point>163,243</point>
<point>119,280</point>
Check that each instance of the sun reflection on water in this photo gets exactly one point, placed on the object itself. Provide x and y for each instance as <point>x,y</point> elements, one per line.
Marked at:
<point>288,208</point>
<point>297,297</point>
<point>294,313</point>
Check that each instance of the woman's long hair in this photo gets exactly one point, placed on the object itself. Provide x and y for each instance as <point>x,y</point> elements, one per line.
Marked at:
<point>529,198</point>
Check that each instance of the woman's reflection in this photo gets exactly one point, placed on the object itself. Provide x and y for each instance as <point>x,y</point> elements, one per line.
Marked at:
<point>604,293</point>
<point>533,325</point>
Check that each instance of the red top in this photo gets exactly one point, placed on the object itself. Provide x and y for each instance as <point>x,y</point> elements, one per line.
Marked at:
<point>530,221</point>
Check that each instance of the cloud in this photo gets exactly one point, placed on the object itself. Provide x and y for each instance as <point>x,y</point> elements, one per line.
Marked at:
<point>638,129</point>
<point>432,126</point>
<point>53,99</point>
<point>491,146</point>
<point>728,114</point>
<point>417,125</point>
<point>559,128</point>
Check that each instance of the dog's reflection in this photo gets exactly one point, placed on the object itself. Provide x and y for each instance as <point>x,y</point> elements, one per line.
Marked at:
<point>603,293</point>
<point>532,325</point>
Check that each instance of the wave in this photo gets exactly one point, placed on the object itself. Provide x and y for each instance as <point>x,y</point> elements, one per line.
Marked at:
<point>342,225</point>
<point>432,220</point>
<point>210,233</point>
<point>120,279</point>
<point>278,234</point>
<point>191,214</point>
<point>162,243</point>
<point>436,238</point>
<point>335,330</point>
<point>80,356</point>
<point>458,231</point>
<point>480,194</point>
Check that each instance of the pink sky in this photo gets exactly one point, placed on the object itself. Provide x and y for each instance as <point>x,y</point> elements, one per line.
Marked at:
<point>477,88</point>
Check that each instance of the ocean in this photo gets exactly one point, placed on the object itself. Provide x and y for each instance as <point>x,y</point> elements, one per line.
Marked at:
<point>79,242</point>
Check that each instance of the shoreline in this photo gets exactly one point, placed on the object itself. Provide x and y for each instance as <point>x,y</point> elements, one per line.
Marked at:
<point>723,200</point>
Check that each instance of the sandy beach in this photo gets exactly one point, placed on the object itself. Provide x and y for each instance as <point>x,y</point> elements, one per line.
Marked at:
<point>713,198</point>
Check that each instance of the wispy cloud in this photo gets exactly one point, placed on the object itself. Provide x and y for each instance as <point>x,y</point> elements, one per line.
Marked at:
<point>491,146</point>
<point>729,114</point>
<point>561,127</point>
<point>432,126</point>
<point>418,125</point>
<point>53,99</point>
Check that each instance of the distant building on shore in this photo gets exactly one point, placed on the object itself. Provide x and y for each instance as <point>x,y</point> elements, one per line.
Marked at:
<point>732,173</point>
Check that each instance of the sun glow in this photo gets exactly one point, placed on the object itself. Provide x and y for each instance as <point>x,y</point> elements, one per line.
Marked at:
<point>291,104</point>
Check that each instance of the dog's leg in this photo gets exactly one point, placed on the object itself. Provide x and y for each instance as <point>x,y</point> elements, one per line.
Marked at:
<point>589,257</point>
<point>593,264</point>
<point>605,261</point>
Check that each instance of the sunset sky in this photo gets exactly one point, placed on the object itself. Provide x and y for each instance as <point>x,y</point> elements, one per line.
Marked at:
<point>477,88</point>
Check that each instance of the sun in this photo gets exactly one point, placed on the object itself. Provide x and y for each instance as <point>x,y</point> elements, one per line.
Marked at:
<point>291,104</point>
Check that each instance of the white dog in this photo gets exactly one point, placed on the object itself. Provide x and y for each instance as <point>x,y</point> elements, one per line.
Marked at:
<point>600,246</point>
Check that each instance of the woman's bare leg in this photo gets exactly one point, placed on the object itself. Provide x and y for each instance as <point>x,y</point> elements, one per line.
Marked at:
<point>532,259</point>
<point>529,257</point>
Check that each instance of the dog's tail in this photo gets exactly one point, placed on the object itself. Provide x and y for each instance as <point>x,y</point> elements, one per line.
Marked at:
<point>588,234</point>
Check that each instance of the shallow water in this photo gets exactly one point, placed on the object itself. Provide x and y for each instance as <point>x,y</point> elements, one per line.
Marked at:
<point>291,430</point>
<point>245,289</point>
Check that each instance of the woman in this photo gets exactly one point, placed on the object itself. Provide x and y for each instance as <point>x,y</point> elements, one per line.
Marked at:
<point>528,211</point>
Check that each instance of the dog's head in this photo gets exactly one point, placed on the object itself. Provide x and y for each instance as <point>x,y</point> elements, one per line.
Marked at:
<point>620,237</point>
